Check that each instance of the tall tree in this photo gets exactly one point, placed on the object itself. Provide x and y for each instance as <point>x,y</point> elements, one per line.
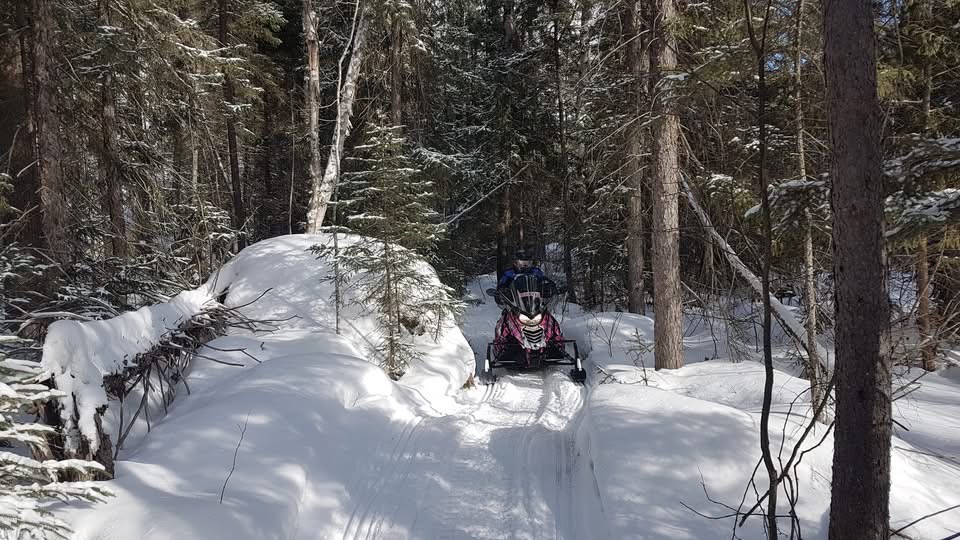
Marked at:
<point>809,276</point>
<point>928,345</point>
<point>665,190</point>
<point>46,121</point>
<point>396,65</point>
<point>312,94</point>
<point>861,460</point>
<point>239,211</point>
<point>110,154</point>
<point>638,63</point>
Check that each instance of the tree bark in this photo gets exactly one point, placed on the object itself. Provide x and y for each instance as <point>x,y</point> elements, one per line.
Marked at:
<point>638,64</point>
<point>26,186</point>
<point>312,94</point>
<point>507,233</point>
<point>664,192</point>
<point>239,211</point>
<point>396,70</point>
<point>46,123</point>
<point>928,345</point>
<point>564,159</point>
<point>110,154</point>
<point>271,192</point>
<point>323,191</point>
<point>861,458</point>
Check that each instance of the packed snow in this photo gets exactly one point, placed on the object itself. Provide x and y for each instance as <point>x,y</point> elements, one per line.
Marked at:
<point>312,440</point>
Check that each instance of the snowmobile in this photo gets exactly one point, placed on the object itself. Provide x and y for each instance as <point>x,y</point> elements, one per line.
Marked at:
<point>527,337</point>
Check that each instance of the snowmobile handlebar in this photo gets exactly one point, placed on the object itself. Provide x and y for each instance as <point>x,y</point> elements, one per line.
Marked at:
<point>527,294</point>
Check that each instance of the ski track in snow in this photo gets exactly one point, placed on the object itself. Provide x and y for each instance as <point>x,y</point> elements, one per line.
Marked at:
<point>501,465</point>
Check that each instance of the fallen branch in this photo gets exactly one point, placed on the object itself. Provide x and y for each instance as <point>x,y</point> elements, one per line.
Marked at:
<point>787,321</point>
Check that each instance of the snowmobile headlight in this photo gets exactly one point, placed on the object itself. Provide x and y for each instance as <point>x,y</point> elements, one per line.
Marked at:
<point>530,322</point>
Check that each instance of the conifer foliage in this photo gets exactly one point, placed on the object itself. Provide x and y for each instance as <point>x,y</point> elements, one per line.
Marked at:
<point>387,201</point>
<point>27,484</point>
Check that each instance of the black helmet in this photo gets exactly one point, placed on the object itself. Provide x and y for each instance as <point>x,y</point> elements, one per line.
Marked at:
<point>523,260</point>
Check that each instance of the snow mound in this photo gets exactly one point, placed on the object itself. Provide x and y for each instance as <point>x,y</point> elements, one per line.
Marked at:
<point>271,450</point>
<point>277,280</point>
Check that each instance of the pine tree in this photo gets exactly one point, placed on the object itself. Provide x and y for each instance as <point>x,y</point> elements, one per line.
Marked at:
<point>387,200</point>
<point>26,484</point>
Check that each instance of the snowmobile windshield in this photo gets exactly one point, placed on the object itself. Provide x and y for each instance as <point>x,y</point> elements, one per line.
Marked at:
<point>526,295</point>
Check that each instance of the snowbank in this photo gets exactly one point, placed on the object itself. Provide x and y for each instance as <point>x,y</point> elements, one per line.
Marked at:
<point>658,439</point>
<point>281,439</point>
<point>277,279</point>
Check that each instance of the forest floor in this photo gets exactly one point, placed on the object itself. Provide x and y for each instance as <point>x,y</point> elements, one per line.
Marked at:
<point>311,440</point>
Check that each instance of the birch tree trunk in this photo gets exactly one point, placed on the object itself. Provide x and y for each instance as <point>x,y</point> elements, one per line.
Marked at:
<point>46,122</point>
<point>861,457</point>
<point>312,97</point>
<point>665,187</point>
<point>110,160</point>
<point>323,191</point>
<point>639,64</point>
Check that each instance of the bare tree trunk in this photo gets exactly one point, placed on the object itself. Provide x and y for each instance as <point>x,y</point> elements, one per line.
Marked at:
<point>665,190</point>
<point>810,283</point>
<point>507,236</point>
<point>396,70</point>
<point>110,158</point>
<point>269,209</point>
<point>759,45</point>
<point>293,154</point>
<point>324,190</point>
<point>638,63</point>
<point>239,211</point>
<point>505,243</point>
<point>26,192</point>
<point>46,123</point>
<point>928,347</point>
<point>861,457</point>
<point>564,159</point>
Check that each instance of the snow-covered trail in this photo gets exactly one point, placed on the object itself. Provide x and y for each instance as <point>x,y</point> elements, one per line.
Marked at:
<point>503,464</point>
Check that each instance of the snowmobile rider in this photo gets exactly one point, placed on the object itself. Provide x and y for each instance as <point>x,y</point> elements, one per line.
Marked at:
<point>522,264</point>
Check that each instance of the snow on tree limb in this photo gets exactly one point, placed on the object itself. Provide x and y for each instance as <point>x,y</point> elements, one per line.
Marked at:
<point>79,354</point>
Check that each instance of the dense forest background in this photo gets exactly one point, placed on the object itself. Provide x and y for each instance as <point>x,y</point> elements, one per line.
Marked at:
<point>144,142</point>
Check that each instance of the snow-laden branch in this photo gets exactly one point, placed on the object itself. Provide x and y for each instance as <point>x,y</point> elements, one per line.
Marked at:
<point>79,354</point>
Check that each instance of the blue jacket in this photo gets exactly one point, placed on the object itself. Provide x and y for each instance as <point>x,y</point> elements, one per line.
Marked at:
<point>511,273</point>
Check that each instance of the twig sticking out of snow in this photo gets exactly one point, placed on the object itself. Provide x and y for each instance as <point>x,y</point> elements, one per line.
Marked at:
<point>243,430</point>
